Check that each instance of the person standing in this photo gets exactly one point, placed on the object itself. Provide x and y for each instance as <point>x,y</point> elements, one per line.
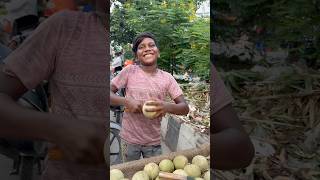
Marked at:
<point>69,49</point>
<point>143,82</point>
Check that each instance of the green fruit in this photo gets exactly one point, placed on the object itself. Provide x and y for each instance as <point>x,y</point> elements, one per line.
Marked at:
<point>152,169</point>
<point>180,161</point>
<point>206,175</point>
<point>116,174</point>
<point>180,172</point>
<point>140,175</point>
<point>201,161</point>
<point>192,170</point>
<point>166,165</point>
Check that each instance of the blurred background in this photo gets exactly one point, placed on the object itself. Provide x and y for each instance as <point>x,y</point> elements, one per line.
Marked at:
<point>268,53</point>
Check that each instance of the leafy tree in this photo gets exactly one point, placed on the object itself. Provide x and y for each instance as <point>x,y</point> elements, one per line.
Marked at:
<point>196,56</point>
<point>173,23</point>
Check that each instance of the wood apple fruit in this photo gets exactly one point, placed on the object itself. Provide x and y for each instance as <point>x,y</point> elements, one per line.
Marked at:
<point>149,115</point>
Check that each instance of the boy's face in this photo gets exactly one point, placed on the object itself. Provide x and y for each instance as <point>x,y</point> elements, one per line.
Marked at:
<point>147,52</point>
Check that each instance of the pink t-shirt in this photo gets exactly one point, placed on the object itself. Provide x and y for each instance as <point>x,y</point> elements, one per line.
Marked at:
<point>136,128</point>
<point>70,51</point>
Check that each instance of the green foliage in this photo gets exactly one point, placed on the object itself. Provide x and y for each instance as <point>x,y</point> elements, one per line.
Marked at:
<point>196,56</point>
<point>183,39</point>
<point>279,24</point>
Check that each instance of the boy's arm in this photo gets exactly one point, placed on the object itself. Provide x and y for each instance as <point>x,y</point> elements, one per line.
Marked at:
<point>180,107</point>
<point>115,100</point>
<point>231,146</point>
<point>130,104</point>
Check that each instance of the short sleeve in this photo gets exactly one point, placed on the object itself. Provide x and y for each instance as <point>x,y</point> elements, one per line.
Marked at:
<point>174,89</point>
<point>220,96</point>
<point>33,61</point>
<point>120,81</point>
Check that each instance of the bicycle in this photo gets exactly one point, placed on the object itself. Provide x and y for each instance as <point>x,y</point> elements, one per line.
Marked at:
<point>115,127</point>
<point>25,153</point>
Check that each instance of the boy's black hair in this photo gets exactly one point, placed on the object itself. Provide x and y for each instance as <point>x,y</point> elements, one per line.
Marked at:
<point>138,39</point>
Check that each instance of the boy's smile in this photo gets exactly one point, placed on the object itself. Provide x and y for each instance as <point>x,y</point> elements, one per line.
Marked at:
<point>148,52</point>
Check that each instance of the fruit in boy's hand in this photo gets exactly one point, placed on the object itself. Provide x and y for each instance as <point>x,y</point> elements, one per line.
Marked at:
<point>201,161</point>
<point>149,115</point>
<point>166,165</point>
<point>140,175</point>
<point>192,170</point>
<point>152,169</point>
<point>180,162</point>
<point>206,175</point>
<point>116,174</point>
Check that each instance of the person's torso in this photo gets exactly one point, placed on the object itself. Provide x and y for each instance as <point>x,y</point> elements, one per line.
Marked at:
<point>79,84</point>
<point>117,62</point>
<point>140,86</point>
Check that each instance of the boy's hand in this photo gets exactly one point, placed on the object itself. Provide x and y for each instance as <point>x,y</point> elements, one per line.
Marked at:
<point>160,106</point>
<point>133,105</point>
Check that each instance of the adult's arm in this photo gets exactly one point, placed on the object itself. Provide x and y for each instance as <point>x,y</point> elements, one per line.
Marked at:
<point>81,141</point>
<point>231,145</point>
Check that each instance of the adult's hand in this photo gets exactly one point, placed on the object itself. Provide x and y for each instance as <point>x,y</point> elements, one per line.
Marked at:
<point>232,147</point>
<point>82,141</point>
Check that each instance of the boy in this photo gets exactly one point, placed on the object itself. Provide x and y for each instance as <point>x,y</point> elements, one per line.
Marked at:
<point>143,82</point>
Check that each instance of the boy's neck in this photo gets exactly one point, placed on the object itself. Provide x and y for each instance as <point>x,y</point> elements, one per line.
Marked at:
<point>149,69</point>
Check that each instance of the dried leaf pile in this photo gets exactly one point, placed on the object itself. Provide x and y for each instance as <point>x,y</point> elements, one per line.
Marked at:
<point>282,115</point>
<point>197,96</point>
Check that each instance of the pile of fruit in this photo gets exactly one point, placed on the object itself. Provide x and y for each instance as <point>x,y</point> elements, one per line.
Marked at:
<point>199,168</point>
